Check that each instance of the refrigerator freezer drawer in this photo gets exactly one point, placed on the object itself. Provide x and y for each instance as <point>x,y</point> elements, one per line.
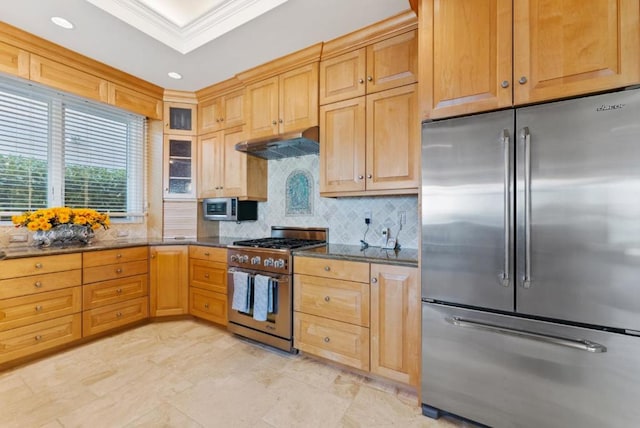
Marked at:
<point>505,371</point>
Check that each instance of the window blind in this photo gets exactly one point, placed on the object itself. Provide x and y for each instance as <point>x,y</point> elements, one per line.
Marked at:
<point>59,149</point>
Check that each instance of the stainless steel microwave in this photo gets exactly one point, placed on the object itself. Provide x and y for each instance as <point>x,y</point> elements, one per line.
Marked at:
<point>229,209</point>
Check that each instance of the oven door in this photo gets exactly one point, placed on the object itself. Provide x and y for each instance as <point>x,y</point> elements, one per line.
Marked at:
<point>280,322</point>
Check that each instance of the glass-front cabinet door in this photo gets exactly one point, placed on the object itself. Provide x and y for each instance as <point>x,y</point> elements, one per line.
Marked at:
<point>179,167</point>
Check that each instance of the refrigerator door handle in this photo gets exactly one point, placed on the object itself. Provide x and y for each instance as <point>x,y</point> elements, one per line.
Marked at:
<point>581,344</point>
<point>526,137</point>
<point>504,277</point>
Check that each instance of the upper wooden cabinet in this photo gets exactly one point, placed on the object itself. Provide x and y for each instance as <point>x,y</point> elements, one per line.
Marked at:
<point>179,167</point>
<point>226,172</point>
<point>180,118</point>
<point>284,103</point>
<point>14,61</point>
<point>383,65</point>
<point>479,56</point>
<point>369,144</point>
<point>222,112</point>
<point>131,100</point>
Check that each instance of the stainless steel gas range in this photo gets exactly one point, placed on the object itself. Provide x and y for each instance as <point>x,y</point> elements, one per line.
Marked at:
<point>269,262</point>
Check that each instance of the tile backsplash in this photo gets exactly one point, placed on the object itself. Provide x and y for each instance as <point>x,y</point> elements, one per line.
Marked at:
<point>343,216</point>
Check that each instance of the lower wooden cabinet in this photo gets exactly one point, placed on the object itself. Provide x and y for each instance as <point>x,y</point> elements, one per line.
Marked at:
<point>342,342</point>
<point>208,305</point>
<point>111,316</point>
<point>25,310</point>
<point>169,280</point>
<point>24,341</point>
<point>114,291</point>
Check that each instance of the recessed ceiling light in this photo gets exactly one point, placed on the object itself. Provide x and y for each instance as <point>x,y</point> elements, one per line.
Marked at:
<point>175,75</point>
<point>61,22</point>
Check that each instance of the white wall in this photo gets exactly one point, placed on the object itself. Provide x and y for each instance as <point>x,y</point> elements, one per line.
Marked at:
<point>343,216</point>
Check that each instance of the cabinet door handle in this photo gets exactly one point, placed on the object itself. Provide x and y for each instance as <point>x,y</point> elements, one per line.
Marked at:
<point>153,256</point>
<point>505,84</point>
<point>327,339</point>
<point>327,298</point>
<point>522,80</point>
<point>274,122</point>
<point>206,275</point>
<point>222,119</point>
<point>374,280</point>
<point>370,176</point>
<point>206,254</point>
<point>206,306</point>
<point>360,177</point>
<point>360,81</point>
<point>280,121</point>
<point>369,79</point>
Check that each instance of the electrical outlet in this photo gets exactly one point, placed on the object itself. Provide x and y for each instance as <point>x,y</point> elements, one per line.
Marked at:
<point>367,216</point>
<point>402,217</point>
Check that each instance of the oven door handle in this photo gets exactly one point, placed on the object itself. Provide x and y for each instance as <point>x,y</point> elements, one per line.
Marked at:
<point>280,278</point>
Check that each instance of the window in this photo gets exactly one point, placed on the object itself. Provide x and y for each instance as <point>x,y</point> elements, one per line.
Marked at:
<point>57,149</point>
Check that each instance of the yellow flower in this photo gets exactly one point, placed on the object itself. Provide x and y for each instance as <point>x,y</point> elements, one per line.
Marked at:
<point>33,226</point>
<point>80,220</point>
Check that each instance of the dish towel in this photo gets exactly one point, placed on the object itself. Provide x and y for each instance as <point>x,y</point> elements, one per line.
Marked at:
<point>241,292</point>
<point>261,297</point>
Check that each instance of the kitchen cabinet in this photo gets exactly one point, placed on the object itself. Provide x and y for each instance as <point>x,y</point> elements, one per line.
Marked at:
<point>283,103</point>
<point>14,61</point>
<point>40,304</point>
<point>226,172</point>
<point>379,66</point>
<point>395,323</point>
<point>179,167</point>
<point>180,219</point>
<point>115,288</point>
<point>370,145</point>
<point>358,314</point>
<point>479,56</point>
<point>169,280</point>
<point>208,283</point>
<point>221,112</point>
<point>135,101</point>
<point>180,118</point>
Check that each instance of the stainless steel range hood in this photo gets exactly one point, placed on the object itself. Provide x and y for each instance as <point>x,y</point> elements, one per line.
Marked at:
<point>292,144</point>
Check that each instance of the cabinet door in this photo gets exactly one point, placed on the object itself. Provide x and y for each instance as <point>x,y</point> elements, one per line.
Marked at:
<point>343,77</point>
<point>466,66</point>
<point>392,62</point>
<point>233,109</point>
<point>180,119</point>
<point>210,162</point>
<point>298,99</point>
<point>342,146</point>
<point>564,48</point>
<point>262,105</point>
<point>14,61</point>
<point>393,139</point>
<point>209,114</point>
<point>179,171</point>
<point>395,323</point>
<point>234,169</point>
<point>134,101</point>
<point>169,280</point>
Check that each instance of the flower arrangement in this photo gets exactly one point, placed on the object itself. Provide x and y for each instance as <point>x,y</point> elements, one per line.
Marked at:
<point>47,218</point>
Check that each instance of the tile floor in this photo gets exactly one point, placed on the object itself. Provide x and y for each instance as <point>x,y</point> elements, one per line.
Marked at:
<point>191,374</point>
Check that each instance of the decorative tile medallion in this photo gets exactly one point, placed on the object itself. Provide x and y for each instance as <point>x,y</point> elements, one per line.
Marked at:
<point>299,193</point>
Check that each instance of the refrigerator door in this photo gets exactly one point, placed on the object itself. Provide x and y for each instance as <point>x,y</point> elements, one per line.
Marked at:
<point>578,219</point>
<point>467,207</point>
<point>505,371</point>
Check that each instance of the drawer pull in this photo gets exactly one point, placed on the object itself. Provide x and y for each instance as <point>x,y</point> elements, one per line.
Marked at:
<point>327,298</point>
<point>119,291</point>
<point>38,338</point>
<point>38,284</point>
<point>206,275</point>
<point>38,308</point>
<point>118,256</point>
<point>206,306</point>
<point>119,270</point>
<point>206,254</point>
<point>118,314</point>
<point>327,268</point>
<point>38,265</point>
<point>327,339</point>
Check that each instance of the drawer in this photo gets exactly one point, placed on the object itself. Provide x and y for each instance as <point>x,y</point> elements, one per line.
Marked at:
<point>208,275</point>
<point>330,268</point>
<point>28,340</point>
<point>344,343</point>
<point>114,291</point>
<point>116,256</point>
<point>208,305</point>
<point>25,310</point>
<point>345,301</point>
<point>211,254</point>
<point>116,315</point>
<point>39,265</point>
<point>120,270</point>
<point>26,285</point>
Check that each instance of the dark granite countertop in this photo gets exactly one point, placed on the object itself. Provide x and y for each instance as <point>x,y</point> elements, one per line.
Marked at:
<point>402,257</point>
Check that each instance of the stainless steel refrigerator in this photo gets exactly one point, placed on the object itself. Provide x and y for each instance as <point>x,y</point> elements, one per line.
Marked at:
<point>531,264</point>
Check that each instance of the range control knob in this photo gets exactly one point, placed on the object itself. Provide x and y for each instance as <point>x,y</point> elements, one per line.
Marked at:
<point>243,259</point>
<point>234,258</point>
<point>280,263</point>
<point>268,262</point>
<point>255,260</point>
